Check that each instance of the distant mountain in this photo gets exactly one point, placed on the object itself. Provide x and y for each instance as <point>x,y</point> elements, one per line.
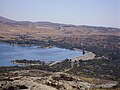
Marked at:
<point>5,20</point>
<point>62,29</point>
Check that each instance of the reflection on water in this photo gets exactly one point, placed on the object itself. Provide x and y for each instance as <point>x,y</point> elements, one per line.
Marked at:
<point>8,53</point>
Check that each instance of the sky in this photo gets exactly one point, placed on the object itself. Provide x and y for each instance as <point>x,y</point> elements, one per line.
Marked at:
<point>79,12</point>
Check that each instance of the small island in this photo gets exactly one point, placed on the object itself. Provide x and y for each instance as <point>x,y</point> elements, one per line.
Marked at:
<point>28,62</point>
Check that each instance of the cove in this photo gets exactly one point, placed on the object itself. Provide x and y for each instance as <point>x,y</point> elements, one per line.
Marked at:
<point>9,53</point>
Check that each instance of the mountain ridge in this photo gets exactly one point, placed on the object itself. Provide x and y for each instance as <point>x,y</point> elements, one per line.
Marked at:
<point>6,20</point>
<point>38,30</point>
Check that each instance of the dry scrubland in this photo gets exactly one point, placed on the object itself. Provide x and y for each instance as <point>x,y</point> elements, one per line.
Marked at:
<point>101,73</point>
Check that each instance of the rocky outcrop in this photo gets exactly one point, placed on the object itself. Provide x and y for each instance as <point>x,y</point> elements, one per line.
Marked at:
<point>55,81</point>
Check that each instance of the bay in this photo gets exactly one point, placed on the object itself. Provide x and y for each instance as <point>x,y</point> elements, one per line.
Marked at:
<point>9,53</point>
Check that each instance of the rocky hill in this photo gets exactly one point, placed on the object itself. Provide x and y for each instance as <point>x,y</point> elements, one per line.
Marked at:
<point>101,73</point>
<point>10,29</point>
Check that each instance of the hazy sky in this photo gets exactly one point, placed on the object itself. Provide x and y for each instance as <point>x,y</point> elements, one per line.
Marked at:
<point>80,12</point>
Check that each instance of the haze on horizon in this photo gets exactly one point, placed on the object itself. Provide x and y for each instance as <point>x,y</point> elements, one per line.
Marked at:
<point>80,12</point>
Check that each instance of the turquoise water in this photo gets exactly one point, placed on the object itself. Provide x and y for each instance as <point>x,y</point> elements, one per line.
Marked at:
<point>8,53</point>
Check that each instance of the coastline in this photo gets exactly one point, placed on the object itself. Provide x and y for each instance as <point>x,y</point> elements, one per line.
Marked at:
<point>24,64</point>
<point>87,56</point>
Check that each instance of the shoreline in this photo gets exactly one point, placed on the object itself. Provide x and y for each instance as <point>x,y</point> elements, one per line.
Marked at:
<point>87,56</point>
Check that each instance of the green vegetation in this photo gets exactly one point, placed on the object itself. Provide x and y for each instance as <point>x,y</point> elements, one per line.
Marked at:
<point>24,61</point>
<point>105,47</point>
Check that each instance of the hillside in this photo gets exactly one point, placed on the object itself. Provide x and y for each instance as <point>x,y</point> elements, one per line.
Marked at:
<point>101,73</point>
<point>10,29</point>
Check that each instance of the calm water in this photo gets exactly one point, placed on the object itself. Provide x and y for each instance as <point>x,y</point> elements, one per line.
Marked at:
<point>8,53</point>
